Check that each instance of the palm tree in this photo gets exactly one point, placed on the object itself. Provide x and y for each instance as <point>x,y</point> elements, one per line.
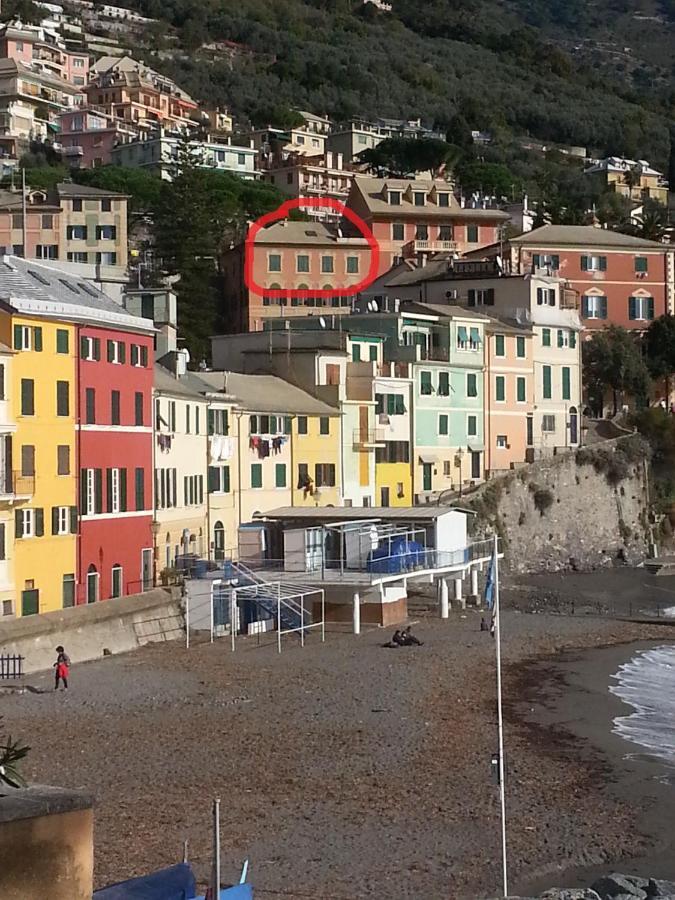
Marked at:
<point>11,752</point>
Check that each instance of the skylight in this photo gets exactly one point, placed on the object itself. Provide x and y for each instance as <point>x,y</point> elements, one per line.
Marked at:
<point>71,287</point>
<point>38,277</point>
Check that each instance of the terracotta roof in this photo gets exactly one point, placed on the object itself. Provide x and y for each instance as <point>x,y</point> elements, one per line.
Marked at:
<point>582,236</point>
<point>372,191</point>
<point>266,393</point>
<point>304,233</point>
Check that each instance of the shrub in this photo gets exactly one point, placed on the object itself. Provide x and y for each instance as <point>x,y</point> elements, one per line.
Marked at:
<point>543,499</point>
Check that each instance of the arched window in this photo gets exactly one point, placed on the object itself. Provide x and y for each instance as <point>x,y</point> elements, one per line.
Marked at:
<point>92,584</point>
<point>116,582</point>
<point>219,541</point>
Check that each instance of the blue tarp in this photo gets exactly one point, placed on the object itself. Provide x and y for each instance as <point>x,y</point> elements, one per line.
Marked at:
<point>396,556</point>
<point>175,883</point>
<point>239,892</point>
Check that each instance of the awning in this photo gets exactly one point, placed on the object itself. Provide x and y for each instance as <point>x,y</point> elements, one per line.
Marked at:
<point>428,458</point>
<point>475,336</point>
<point>461,333</point>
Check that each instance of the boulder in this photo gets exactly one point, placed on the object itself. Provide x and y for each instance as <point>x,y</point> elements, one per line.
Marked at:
<point>569,894</point>
<point>615,886</point>
<point>660,889</point>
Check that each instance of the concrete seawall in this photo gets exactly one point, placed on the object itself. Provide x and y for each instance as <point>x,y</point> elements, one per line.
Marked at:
<point>86,632</point>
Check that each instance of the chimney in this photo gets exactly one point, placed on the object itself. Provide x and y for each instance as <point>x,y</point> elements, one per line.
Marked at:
<point>182,357</point>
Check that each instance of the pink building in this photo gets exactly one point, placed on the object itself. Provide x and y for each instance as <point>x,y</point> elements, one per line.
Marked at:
<point>41,49</point>
<point>298,175</point>
<point>509,394</point>
<point>88,137</point>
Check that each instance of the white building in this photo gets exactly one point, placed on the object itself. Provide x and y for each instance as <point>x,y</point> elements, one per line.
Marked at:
<point>160,152</point>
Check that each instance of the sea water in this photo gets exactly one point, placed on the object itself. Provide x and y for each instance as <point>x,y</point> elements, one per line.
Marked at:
<point>647,683</point>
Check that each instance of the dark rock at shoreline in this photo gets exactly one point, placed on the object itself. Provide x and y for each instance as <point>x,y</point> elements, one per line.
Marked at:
<point>613,887</point>
<point>618,886</point>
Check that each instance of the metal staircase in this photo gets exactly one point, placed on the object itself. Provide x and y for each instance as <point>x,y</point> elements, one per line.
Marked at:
<point>278,599</point>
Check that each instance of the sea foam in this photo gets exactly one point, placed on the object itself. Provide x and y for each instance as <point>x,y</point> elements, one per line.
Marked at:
<point>647,683</point>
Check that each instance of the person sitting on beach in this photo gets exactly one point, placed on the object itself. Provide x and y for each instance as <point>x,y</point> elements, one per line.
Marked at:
<point>396,641</point>
<point>409,639</point>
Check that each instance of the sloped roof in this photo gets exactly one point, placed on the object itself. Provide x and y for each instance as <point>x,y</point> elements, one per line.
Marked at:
<point>371,189</point>
<point>582,236</point>
<point>266,393</point>
<point>303,233</point>
<point>188,385</point>
<point>41,290</point>
<point>67,189</point>
<point>440,309</point>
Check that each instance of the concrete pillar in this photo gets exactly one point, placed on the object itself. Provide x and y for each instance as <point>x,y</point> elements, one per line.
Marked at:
<point>357,614</point>
<point>444,597</point>
<point>474,582</point>
<point>458,593</point>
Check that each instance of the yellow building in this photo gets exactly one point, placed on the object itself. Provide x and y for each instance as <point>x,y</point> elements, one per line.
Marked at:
<point>42,461</point>
<point>393,434</point>
<point>634,179</point>
<point>315,451</point>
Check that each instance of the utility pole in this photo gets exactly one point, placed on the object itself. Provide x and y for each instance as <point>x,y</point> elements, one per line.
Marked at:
<point>23,213</point>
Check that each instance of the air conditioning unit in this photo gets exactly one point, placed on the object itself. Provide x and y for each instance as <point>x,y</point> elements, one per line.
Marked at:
<point>452,295</point>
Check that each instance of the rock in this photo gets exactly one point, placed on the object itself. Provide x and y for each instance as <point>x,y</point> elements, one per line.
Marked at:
<point>658,888</point>
<point>570,894</point>
<point>614,886</point>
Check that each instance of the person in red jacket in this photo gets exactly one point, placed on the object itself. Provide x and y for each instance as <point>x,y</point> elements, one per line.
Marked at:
<point>62,666</point>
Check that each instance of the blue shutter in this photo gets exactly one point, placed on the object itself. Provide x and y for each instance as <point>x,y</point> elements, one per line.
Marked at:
<point>632,308</point>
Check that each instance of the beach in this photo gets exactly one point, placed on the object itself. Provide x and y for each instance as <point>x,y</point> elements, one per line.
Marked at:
<point>348,770</point>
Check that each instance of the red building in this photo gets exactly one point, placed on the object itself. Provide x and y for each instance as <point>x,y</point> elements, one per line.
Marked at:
<point>621,279</point>
<point>115,457</point>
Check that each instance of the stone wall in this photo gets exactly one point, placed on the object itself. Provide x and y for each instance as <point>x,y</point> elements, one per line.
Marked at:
<point>578,510</point>
<point>88,632</point>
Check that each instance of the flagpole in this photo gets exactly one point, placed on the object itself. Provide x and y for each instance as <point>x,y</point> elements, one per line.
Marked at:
<point>500,721</point>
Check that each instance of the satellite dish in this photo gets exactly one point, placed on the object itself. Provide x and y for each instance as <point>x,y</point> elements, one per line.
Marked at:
<point>375,306</point>
<point>322,322</point>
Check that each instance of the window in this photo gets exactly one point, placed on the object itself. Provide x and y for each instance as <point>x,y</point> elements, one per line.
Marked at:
<point>641,308</point>
<point>422,233</point>
<point>2,381</point>
<point>256,475</point>
<point>27,459</point>
<point>27,397</point>
<point>280,475</point>
<point>106,259</point>
<point>471,385</point>
<point>116,581</point>
<point>106,205</point>
<point>566,388</point>
<point>472,234</point>
<point>47,251</point>
<point>114,407</point>
<point>274,262</point>
<point>116,352</point>
<point>520,347</point>
<point>443,424</point>
<point>573,339</point>
<point>241,159</point>
<point>445,233</point>
<point>324,475</point>
<point>302,263</point>
<point>545,296</point>
<point>502,442</point>
<point>520,389</point>
<point>443,199</point>
<point>77,206</point>
<point>500,389</point>
<point>443,384</point>
<point>546,378</point>
<point>29,523</point>
<point>90,348</point>
<point>397,231</point>
<point>139,355</point>
<point>68,590</point>
<point>76,232</point>
<point>63,459</point>
<point>394,198</point>
<point>546,337</point>
<point>481,297</point>
<point>62,342</point>
<point>541,261</point>
<point>563,338</point>
<point>27,338</point>
<point>62,398</point>
<point>352,265</point>
<point>419,198</point>
<point>372,353</point>
<point>324,425</point>
<point>472,426</point>
<point>106,232</point>
<point>64,521</point>
<point>187,418</point>
<point>393,452</point>
<point>90,406</point>
<point>138,408</point>
<point>327,265</point>
<point>47,221</point>
<point>217,421</point>
<point>302,424</point>
<point>356,352</point>
<point>641,264</point>
<point>548,423</point>
<point>499,345</point>
<point>79,256</point>
<point>593,263</point>
<point>219,479</point>
<point>425,383</point>
<point>594,307</point>
<point>139,488</point>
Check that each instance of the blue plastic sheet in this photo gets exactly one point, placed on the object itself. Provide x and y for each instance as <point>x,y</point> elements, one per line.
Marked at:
<point>174,883</point>
<point>239,892</point>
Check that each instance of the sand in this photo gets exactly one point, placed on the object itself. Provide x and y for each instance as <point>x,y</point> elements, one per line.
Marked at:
<point>345,770</point>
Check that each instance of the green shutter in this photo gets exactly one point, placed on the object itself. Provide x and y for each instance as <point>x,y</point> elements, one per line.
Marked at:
<point>650,307</point>
<point>603,263</point>
<point>640,263</point>
<point>632,308</point>
<point>356,353</point>
<point>18,523</point>
<point>111,351</point>
<point>584,264</point>
<point>546,337</point>
<point>39,522</point>
<point>425,382</point>
<point>499,345</point>
<point>73,520</point>
<point>83,492</point>
<point>97,349</point>
<point>98,491</point>
<point>391,404</point>
<point>520,347</point>
<point>27,397</point>
<point>122,350</point>
<point>109,489</point>
<point>573,339</point>
<point>83,347</point>
<point>500,389</point>
<point>18,337</point>
<point>280,475</point>
<point>140,489</point>
<point>61,341</point>
<point>123,490</point>
<point>561,338</point>
<point>520,384</point>
<point>212,480</point>
<point>37,339</point>
<point>471,387</point>
<point>226,479</point>
<point>566,391</point>
<point>55,520</point>
<point>256,475</point>
<point>442,424</point>
<point>547,382</point>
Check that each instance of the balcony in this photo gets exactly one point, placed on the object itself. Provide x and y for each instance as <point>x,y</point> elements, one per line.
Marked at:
<point>569,299</point>
<point>425,246</point>
<point>15,486</point>
<point>368,438</point>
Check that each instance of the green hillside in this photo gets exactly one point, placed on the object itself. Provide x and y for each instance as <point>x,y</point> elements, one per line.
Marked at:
<point>593,73</point>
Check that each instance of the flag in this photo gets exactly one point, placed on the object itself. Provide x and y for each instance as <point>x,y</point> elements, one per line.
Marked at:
<point>490,584</point>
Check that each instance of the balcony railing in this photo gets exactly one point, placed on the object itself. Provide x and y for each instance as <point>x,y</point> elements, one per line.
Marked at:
<point>368,438</point>
<point>15,484</point>
<point>420,246</point>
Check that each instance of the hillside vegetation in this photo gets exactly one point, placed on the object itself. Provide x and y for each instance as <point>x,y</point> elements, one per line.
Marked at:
<point>597,73</point>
